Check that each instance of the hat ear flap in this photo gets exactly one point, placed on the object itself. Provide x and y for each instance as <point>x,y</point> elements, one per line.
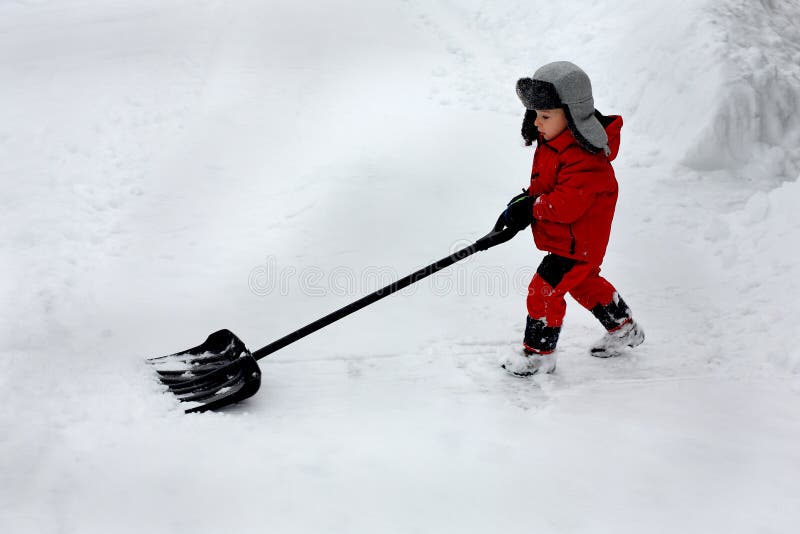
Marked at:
<point>529,131</point>
<point>582,140</point>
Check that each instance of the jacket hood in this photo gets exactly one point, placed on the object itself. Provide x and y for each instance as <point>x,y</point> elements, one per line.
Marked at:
<point>612,124</point>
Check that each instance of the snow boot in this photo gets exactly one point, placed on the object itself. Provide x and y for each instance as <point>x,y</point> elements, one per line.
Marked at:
<point>524,363</point>
<point>539,337</point>
<point>630,334</point>
<point>538,350</point>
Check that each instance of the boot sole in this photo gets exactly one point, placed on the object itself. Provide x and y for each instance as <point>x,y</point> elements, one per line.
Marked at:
<point>527,373</point>
<point>605,353</point>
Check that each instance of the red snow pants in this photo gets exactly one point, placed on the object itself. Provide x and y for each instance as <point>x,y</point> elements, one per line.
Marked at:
<point>557,276</point>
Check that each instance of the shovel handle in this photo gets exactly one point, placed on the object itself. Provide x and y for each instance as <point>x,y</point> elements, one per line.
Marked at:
<point>498,235</point>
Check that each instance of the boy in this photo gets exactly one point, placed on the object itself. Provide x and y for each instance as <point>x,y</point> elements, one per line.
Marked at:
<point>570,205</point>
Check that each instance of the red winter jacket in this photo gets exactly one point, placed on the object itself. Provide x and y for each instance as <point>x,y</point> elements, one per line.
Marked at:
<point>577,194</point>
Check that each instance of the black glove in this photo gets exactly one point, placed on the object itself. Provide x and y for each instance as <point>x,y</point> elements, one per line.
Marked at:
<point>519,211</point>
<point>530,132</point>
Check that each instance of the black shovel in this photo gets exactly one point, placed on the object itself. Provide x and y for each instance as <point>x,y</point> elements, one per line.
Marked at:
<point>222,371</point>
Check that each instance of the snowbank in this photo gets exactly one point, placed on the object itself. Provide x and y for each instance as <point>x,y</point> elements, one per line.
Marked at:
<point>754,128</point>
<point>758,248</point>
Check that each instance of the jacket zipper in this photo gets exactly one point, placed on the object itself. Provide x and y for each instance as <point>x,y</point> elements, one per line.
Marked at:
<point>572,240</point>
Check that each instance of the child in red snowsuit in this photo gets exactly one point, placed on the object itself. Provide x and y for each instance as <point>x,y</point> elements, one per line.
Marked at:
<point>570,206</point>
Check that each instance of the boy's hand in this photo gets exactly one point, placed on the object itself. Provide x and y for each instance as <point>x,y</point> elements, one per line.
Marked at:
<point>519,211</point>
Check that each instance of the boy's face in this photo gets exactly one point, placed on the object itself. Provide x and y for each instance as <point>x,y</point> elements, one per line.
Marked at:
<point>550,122</point>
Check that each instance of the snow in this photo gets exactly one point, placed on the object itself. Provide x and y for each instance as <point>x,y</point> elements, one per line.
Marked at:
<point>173,168</point>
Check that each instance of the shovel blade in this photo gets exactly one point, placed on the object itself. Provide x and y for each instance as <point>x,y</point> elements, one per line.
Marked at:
<point>218,372</point>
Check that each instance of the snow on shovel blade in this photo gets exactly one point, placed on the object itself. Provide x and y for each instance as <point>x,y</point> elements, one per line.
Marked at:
<point>216,373</point>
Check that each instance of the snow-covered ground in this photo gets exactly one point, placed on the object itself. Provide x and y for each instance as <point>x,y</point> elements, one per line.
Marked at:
<point>172,167</point>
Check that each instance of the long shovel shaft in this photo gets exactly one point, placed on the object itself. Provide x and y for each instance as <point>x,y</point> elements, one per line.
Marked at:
<point>365,301</point>
<point>490,240</point>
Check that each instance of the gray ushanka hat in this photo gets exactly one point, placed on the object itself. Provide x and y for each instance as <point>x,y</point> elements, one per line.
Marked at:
<point>562,84</point>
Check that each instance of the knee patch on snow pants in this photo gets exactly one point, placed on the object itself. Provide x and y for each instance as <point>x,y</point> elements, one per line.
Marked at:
<point>554,268</point>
